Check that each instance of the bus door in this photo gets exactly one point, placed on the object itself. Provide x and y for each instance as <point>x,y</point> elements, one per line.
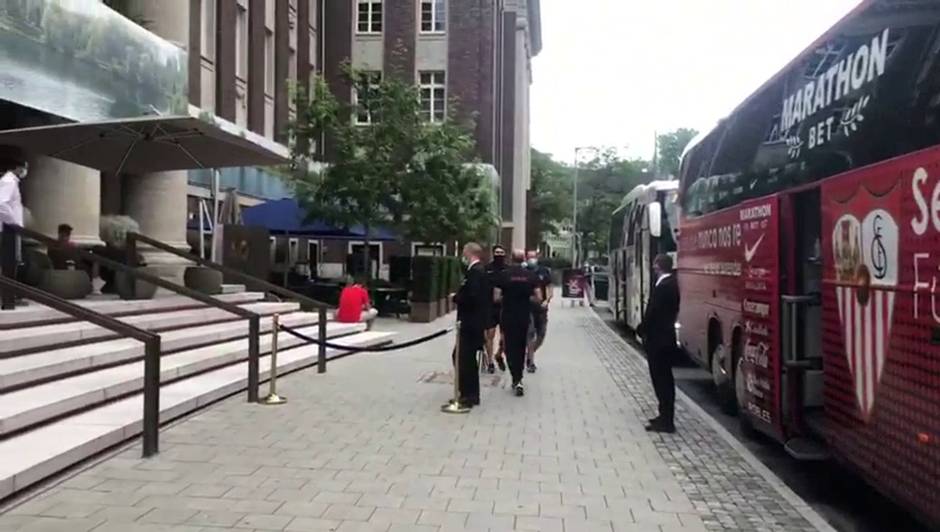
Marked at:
<point>801,325</point>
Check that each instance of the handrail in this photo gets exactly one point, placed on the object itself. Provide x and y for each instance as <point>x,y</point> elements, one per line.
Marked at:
<point>133,272</point>
<point>8,268</point>
<point>150,340</point>
<point>250,281</point>
<point>242,276</point>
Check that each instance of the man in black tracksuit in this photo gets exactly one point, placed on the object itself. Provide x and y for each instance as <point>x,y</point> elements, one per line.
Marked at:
<point>658,330</point>
<point>517,291</point>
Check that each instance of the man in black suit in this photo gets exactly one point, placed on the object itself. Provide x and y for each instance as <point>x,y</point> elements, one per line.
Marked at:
<point>658,330</point>
<point>474,300</point>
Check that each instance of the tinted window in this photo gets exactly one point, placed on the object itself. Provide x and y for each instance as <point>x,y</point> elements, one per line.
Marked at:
<point>868,93</point>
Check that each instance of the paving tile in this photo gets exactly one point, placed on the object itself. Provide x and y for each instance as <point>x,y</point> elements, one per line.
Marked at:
<point>365,448</point>
<point>264,522</point>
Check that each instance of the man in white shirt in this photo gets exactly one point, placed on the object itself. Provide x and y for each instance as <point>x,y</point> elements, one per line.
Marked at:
<point>11,202</point>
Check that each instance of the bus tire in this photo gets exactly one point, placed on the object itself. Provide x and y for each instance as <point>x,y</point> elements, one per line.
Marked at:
<point>723,379</point>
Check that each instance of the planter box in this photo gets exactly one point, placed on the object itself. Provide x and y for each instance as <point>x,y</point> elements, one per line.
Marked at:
<point>205,280</point>
<point>67,284</point>
<point>423,312</point>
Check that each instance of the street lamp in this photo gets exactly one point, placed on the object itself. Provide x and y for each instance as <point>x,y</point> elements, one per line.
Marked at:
<point>574,216</point>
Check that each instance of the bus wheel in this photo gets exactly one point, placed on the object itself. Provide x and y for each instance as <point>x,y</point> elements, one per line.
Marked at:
<point>721,376</point>
<point>740,392</point>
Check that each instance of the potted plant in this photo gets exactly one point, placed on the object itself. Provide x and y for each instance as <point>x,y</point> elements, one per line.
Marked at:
<point>424,293</point>
<point>205,280</point>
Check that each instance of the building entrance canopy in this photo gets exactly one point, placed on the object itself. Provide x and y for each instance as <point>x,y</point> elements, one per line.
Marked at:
<point>150,144</point>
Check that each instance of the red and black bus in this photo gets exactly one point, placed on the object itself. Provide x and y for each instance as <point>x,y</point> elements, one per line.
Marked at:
<point>809,251</point>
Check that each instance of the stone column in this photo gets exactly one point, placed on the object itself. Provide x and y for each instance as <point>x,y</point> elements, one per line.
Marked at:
<point>58,192</point>
<point>157,202</point>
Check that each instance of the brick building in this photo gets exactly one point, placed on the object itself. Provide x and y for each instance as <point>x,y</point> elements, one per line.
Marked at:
<point>475,52</point>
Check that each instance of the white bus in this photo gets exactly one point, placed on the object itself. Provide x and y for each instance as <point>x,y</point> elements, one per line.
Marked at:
<point>642,227</point>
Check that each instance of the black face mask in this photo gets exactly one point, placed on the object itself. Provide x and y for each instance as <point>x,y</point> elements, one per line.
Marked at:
<point>499,260</point>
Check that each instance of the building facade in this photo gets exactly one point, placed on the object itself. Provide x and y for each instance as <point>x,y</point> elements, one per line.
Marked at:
<point>475,54</point>
<point>94,60</point>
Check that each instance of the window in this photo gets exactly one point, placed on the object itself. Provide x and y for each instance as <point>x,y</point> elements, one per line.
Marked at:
<point>370,16</point>
<point>208,29</point>
<point>433,16</point>
<point>241,43</point>
<point>433,96</point>
<point>268,61</point>
<point>362,96</point>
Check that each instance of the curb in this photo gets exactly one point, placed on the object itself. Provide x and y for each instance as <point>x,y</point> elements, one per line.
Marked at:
<point>798,503</point>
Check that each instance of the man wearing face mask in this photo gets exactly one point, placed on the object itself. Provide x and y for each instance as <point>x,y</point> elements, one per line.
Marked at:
<point>15,168</point>
<point>518,292</point>
<point>543,278</point>
<point>474,302</point>
<point>494,347</point>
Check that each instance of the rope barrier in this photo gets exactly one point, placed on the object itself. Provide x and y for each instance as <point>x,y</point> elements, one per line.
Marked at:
<point>379,349</point>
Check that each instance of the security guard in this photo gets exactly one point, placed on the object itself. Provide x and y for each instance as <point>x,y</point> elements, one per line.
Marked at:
<point>474,303</point>
<point>518,291</point>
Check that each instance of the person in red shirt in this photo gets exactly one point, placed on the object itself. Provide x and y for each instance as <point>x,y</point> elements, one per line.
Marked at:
<point>354,305</point>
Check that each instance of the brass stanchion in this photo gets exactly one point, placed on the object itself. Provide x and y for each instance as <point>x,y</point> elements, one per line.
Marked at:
<point>455,406</point>
<point>273,398</point>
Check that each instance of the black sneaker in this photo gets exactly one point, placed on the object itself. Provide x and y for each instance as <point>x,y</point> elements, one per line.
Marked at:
<point>491,369</point>
<point>520,389</point>
<point>531,367</point>
<point>501,363</point>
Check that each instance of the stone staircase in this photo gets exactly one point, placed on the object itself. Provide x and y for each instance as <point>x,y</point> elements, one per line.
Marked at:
<point>70,389</point>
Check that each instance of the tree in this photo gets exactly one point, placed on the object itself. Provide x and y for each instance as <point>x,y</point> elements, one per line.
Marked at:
<point>394,171</point>
<point>670,147</point>
<point>602,184</point>
<point>550,197</point>
<point>448,198</point>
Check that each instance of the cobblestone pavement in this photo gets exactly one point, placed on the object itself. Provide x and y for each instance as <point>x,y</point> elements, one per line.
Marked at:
<point>364,448</point>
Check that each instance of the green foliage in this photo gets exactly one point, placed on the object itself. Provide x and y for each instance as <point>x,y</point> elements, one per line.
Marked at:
<point>602,184</point>
<point>550,203</point>
<point>426,272</point>
<point>670,150</point>
<point>395,171</point>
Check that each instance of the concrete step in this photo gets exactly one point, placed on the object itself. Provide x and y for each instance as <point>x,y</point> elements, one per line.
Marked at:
<point>32,456</point>
<point>19,371</point>
<point>233,288</point>
<point>32,338</point>
<point>26,407</point>
<point>36,314</point>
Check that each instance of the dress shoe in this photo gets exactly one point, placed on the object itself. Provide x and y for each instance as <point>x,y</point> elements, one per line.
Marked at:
<point>653,420</point>
<point>659,426</point>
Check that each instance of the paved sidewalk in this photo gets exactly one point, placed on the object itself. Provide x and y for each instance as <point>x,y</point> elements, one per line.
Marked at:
<point>364,448</point>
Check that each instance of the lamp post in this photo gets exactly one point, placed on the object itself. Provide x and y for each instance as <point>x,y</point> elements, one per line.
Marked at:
<point>574,195</point>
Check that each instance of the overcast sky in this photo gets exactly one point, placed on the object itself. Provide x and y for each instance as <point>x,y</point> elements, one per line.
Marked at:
<point>612,72</point>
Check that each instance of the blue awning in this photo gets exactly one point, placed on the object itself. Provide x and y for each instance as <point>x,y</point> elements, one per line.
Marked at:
<point>287,217</point>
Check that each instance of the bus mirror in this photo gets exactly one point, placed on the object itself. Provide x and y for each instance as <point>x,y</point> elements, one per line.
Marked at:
<point>655,211</point>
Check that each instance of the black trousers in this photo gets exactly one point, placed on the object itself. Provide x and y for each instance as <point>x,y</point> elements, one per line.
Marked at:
<point>664,384</point>
<point>471,342</point>
<point>516,335</point>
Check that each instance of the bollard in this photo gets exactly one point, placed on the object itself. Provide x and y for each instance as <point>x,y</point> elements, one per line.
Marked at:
<point>273,398</point>
<point>322,337</point>
<point>455,406</point>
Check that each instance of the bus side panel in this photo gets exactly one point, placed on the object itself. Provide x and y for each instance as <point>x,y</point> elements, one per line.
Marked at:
<point>728,271</point>
<point>881,339</point>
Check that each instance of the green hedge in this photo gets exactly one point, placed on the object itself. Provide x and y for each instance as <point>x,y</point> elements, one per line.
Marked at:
<point>426,279</point>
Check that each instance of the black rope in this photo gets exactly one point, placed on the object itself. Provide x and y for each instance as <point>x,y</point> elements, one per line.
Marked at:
<point>378,349</point>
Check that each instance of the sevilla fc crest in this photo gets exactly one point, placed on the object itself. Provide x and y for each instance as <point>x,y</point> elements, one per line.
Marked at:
<point>865,252</point>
